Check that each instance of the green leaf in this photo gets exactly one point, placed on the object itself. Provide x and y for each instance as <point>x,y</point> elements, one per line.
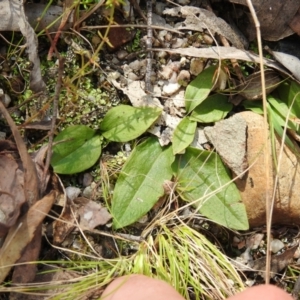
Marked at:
<point>78,150</point>
<point>124,123</point>
<point>183,135</point>
<point>281,109</point>
<point>255,106</point>
<point>290,93</point>
<point>276,122</point>
<point>200,173</point>
<point>140,183</point>
<point>198,90</point>
<point>212,109</point>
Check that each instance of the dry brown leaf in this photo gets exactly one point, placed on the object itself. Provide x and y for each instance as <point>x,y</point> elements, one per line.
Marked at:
<point>65,224</point>
<point>91,213</point>
<point>251,89</point>
<point>11,193</point>
<point>21,234</point>
<point>31,185</point>
<point>224,53</point>
<point>274,17</point>
<point>278,262</point>
<point>292,63</point>
<point>198,19</point>
<point>25,273</point>
<point>39,160</point>
<point>254,240</point>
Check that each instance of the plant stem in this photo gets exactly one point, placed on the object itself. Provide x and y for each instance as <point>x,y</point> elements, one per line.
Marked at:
<point>267,154</point>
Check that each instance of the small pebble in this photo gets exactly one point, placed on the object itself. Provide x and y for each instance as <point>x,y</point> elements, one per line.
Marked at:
<point>2,135</point>
<point>276,245</point>
<point>166,72</point>
<point>177,43</point>
<point>159,7</point>
<point>162,33</point>
<point>207,39</point>
<point>87,192</point>
<point>168,37</point>
<point>246,256</point>
<point>87,179</point>
<point>156,43</point>
<point>236,239</point>
<point>126,8</point>
<point>183,77</point>
<point>72,192</point>
<point>158,20</point>
<point>178,99</point>
<point>196,66</point>
<point>127,149</point>
<point>162,54</point>
<point>183,61</point>
<point>135,65</point>
<point>121,54</point>
<point>187,212</point>
<point>250,282</point>
<point>143,219</point>
<point>297,254</point>
<point>114,61</point>
<point>170,88</point>
<point>132,76</point>
<point>6,100</point>
<point>173,78</point>
<point>113,75</point>
<point>222,81</point>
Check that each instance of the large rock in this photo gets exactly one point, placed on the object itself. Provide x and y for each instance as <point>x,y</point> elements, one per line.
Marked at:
<point>253,185</point>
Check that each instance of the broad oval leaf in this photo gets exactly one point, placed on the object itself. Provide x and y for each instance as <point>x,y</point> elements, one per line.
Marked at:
<point>203,180</point>
<point>124,123</point>
<point>212,109</point>
<point>183,135</point>
<point>78,149</point>
<point>198,90</point>
<point>140,183</point>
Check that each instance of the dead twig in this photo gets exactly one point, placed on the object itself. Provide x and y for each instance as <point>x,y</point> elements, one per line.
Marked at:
<point>148,85</point>
<point>61,62</point>
<point>269,203</point>
<point>68,8</point>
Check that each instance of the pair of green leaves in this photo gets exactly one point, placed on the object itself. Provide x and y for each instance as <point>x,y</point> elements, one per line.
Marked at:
<point>202,108</point>
<point>77,148</point>
<point>200,176</point>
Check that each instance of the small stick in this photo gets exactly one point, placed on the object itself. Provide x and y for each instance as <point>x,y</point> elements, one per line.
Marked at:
<point>148,85</point>
<point>61,62</point>
<point>269,204</point>
<point>68,8</point>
